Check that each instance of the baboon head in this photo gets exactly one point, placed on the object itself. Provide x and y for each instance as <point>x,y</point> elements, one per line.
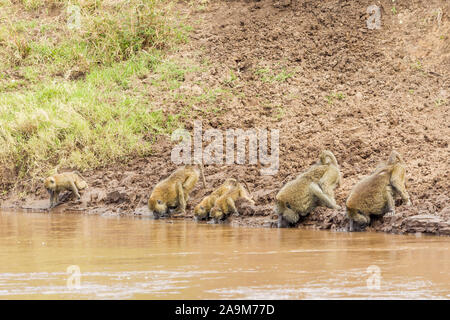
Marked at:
<point>327,157</point>
<point>395,158</point>
<point>158,206</point>
<point>50,184</point>
<point>230,181</point>
<point>200,211</point>
<point>216,213</point>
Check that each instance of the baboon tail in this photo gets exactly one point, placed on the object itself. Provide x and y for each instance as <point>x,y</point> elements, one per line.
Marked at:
<point>200,165</point>
<point>248,189</point>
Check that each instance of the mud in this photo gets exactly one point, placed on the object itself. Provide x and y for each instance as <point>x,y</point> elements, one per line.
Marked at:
<point>313,70</point>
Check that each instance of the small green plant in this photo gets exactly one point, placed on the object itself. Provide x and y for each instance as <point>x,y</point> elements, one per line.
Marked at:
<point>267,75</point>
<point>279,112</point>
<point>231,78</point>
<point>417,65</point>
<point>333,96</point>
<point>393,9</point>
<point>439,102</point>
<point>263,73</point>
<point>283,76</point>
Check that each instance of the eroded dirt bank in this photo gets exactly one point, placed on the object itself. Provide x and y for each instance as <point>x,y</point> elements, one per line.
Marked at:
<point>313,70</point>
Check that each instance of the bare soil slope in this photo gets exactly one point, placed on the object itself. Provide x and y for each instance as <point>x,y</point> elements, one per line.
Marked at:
<point>315,71</point>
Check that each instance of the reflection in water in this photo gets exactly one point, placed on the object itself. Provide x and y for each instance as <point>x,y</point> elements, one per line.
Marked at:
<point>142,258</point>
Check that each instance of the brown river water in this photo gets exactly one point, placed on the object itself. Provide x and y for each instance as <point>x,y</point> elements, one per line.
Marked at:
<point>65,256</point>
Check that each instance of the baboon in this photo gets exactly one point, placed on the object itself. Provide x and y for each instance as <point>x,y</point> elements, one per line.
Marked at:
<point>311,189</point>
<point>173,192</point>
<point>202,209</point>
<point>72,181</point>
<point>225,205</point>
<point>374,195</point>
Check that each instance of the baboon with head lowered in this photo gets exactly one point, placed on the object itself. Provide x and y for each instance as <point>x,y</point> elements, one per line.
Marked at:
<point>201,210</point>
<point>72,181</point>
<point>374,195</point>
<point>225,204</point>
<point>313,188</point>
<point>173,192</point>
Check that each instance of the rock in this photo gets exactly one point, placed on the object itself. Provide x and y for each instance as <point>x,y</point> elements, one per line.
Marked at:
<point>116,197</point>
<point>426,223</point>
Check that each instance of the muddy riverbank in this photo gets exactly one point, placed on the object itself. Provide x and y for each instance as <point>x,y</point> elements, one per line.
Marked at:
<point>125,191</point>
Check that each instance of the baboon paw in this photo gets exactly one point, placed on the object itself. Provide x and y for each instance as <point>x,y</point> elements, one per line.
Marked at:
<point>390,214</point>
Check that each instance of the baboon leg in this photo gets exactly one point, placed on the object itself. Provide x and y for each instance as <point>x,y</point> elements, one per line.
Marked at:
<point>323,198</point>
<point>390,205</point>
<point>189,184</point>
<point>50,193</point>
<point>55,200</point>
<point>74,189</point>
<point>398,182</point>
<point>232,206</point>
<point>52,198</point>
<point>181,198</point>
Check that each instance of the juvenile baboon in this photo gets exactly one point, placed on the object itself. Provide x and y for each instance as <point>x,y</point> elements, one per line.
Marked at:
<point>374,195</point>
<point>202,209</point>
<point>311,189</point>
<point>72,181</point>
<point>225,204</point>
<point>173,192</point>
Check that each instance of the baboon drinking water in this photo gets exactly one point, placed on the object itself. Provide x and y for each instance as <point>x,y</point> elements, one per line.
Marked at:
<point>314,187</point>
<point>201,210</point>
<point>174,191</point>
<point>225,204</point>
<point>374,195</point>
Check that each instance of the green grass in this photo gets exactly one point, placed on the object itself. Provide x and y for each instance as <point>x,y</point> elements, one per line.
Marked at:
<point>71,98</point>
<point>334,96</point>
<point>439,102</point>
<point>272,76</point>
<point>82,124</point>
